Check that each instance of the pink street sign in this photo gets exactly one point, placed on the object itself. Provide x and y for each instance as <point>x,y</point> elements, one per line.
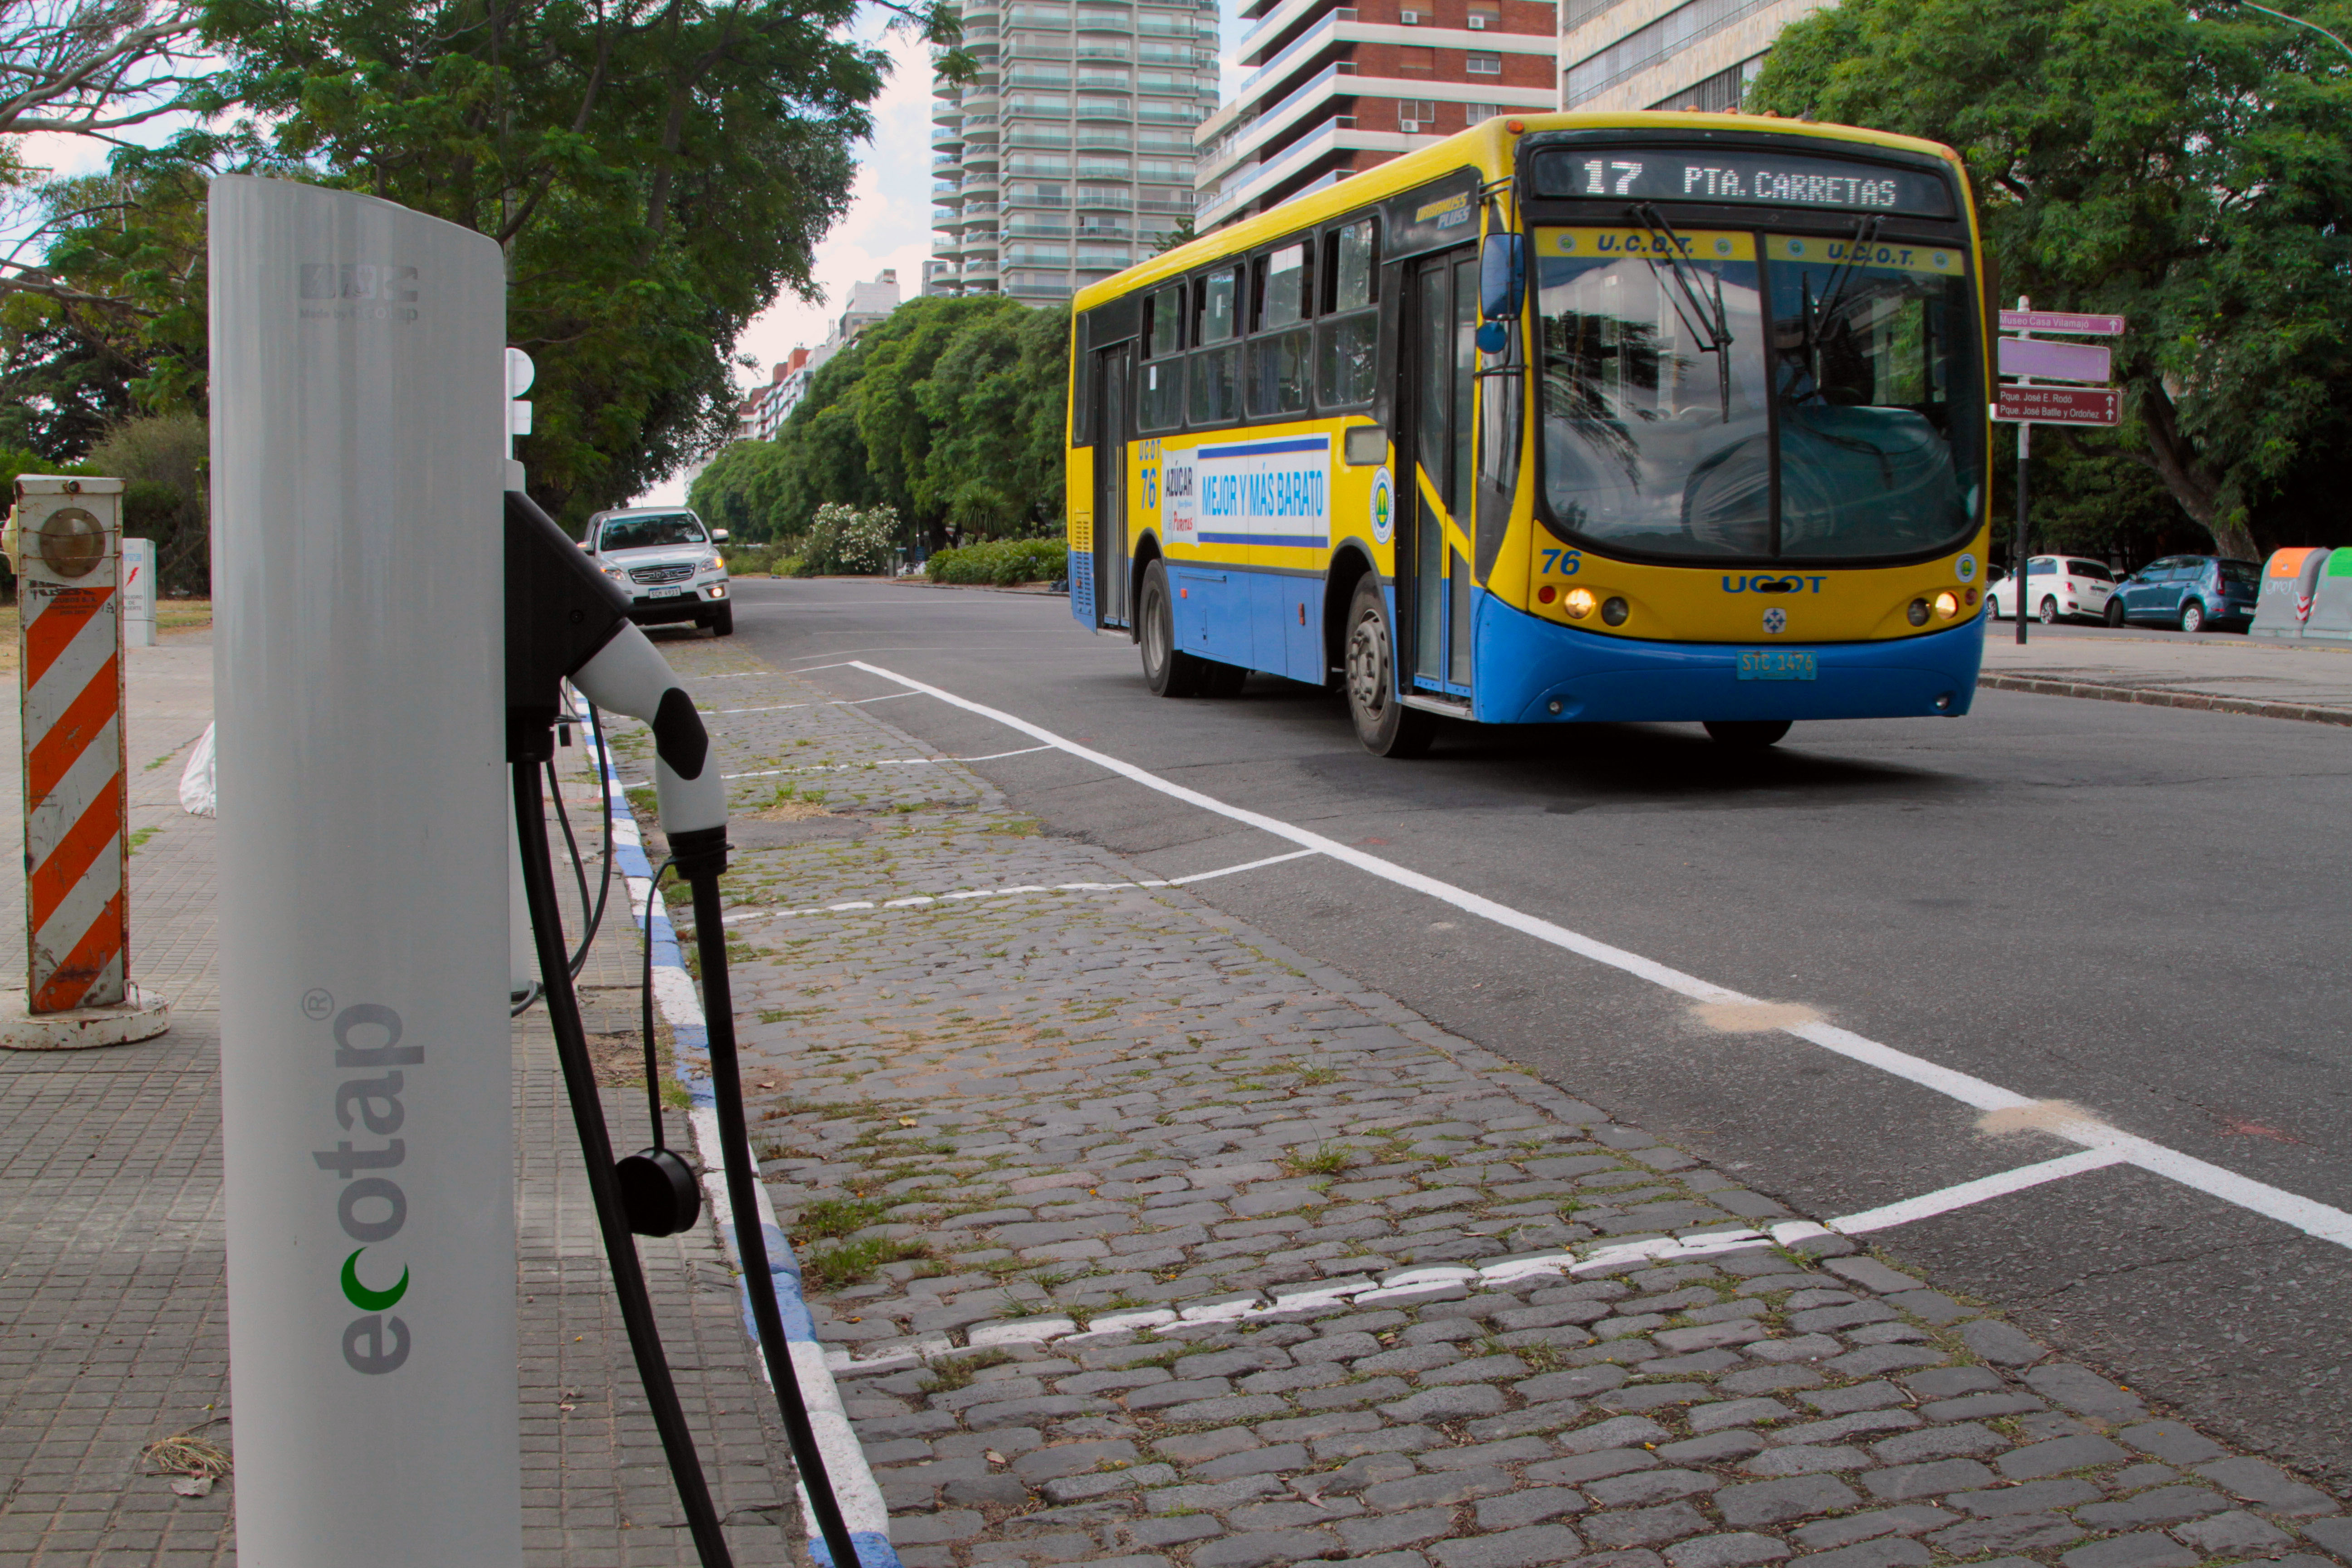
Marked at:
<point>2062,322</point>
<point>2056,361</point>
<point>2059,406</point>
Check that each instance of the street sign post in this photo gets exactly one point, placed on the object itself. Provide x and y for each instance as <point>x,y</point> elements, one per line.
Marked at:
<point>2025,403</point>
<point>2061,324</point>
<point>2059,405</point>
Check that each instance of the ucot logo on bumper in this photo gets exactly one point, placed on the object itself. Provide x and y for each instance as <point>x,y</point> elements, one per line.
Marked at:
<point>1769,583</point>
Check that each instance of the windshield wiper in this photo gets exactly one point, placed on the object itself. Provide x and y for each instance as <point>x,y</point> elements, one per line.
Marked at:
<point>1713,325</point>
<point>1864,231</point>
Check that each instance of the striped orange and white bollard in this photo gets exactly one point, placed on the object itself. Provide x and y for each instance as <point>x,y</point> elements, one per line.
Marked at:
<point>65,538</point>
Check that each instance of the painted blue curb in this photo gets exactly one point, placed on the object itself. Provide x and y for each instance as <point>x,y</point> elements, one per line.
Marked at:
<point>853,1486</point>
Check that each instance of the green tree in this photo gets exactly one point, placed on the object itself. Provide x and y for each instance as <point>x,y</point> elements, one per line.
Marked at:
<point>1183,234</point>
<point>898,429</point>
<point>2137,157</point>
<point>657,171</point>
<point>726,493</point>
<point>997,399</point>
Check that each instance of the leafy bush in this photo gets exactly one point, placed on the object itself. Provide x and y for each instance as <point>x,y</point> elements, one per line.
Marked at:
<point>754,560</point>
<point>844,539</point>
<point>1003,562</point>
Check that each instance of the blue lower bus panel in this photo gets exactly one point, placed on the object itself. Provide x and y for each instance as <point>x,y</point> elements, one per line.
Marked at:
<point>1527,664</point>
<point>1082,588</point>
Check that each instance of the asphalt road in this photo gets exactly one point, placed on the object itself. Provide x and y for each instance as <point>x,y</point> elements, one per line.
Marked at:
<point>2138,911</point>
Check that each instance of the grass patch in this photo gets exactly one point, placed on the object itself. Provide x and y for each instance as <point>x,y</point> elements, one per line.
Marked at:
<point>1019,828</point>
<point>830,1217</point>
<point>854,1262</point>
<point>1327,1159</point>
<point>1542,1358</point>
<point>956,1372</point>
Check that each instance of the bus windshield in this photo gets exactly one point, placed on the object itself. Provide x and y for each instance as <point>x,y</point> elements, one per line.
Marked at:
<point>1684,372</point>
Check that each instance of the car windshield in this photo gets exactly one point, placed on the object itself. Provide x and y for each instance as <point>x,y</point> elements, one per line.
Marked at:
<point>2090,569</point>
<point>1679,369</point>
<point>646,533</point>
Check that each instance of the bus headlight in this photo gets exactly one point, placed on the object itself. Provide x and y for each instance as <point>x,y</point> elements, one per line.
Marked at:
<point>1615,611</point>
<point>1948,604</point>
<point>1917,612</point>
<point>1577,603</point>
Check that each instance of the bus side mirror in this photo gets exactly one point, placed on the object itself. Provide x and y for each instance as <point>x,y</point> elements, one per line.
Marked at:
<point>1502,287</point>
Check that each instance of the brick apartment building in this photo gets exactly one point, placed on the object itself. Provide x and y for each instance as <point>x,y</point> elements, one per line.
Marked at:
<point>1335,88</point>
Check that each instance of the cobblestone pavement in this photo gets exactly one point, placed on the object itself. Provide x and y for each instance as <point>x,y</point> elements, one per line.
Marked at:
<point>1141,1240</point>
<point>113,1330</point>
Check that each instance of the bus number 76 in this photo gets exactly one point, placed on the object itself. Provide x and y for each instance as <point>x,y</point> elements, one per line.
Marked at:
<point>1564,561</point>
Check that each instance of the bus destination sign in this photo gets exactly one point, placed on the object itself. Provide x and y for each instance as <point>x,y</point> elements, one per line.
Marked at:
<point>1737,175</point>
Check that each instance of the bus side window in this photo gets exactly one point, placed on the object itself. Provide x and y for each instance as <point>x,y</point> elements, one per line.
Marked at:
<point>1214,369</point>
<point>1159,403</point>
<point>1347,341</point>
<point>1282,300</point>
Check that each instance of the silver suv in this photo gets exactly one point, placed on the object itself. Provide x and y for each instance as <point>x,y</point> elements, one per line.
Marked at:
<point>668,562</point>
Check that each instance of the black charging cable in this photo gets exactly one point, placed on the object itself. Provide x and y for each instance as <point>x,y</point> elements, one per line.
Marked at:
<point>700,863</point>
<point>524,1000</point>
<point>646,1009</point>
<point>605,1177</point>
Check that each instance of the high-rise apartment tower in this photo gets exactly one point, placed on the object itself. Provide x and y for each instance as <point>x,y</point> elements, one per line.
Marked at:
<point>1072,153</point>
<point>1334,88</point>
<point>1638,54</point>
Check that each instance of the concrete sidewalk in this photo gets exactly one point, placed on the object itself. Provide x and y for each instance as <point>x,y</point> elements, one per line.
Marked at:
<point>2219,672</point>
<point>1140,1239</point>
<point>113,1321</point>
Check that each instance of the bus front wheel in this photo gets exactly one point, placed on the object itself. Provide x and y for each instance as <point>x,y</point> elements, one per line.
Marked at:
<point>1746,734</point>
<point>1168,670</point>
<point>1386,726</point>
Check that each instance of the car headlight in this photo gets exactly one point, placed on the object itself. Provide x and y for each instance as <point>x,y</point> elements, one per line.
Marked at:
<point>713,563</point>
<point>615,574</point>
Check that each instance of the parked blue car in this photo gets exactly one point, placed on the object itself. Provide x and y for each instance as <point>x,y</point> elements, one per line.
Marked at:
<point>2195,593</point>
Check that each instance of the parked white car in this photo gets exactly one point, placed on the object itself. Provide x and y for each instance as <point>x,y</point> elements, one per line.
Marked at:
<point>668,562</point>
<point>2057,587</point>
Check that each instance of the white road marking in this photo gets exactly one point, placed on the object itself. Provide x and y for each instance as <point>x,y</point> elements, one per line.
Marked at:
<point>2306,1214</point>
<point>918,901</point>
<point>885,762</point>
<point>1926,1205</point>
<point>780,706</point>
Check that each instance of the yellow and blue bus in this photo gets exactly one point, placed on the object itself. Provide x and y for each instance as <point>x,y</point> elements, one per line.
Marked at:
<point>1567,418</point>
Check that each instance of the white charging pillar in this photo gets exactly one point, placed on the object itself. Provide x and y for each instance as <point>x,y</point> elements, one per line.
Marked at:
<point>359,664</point>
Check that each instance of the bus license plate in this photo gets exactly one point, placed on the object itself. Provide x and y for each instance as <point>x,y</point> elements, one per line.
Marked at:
<point>1776,663</point>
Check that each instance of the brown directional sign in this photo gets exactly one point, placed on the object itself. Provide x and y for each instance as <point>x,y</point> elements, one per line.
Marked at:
<point>2060,405</point>
<point>2065,324</point>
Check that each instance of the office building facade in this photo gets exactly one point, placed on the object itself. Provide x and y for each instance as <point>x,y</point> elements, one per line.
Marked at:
<point>1668,54</point>
<point>1071,154</point>
<point>1336,89</point>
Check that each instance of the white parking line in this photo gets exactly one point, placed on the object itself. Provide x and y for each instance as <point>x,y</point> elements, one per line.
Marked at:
<point>885,762</point>
<point>2308,1215</point>
<point>1926,1205</point>
<point>917,900</point>
<point>780,706</point>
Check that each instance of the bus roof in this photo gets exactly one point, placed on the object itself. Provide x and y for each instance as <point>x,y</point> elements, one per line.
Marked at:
<point>1485,146</point>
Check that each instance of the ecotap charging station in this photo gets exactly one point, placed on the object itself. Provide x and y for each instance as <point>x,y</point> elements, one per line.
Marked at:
<point>393,624</point>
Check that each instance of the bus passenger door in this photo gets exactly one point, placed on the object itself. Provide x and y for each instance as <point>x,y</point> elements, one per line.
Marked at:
<point>1111,378</point>
<point>1439,370</point>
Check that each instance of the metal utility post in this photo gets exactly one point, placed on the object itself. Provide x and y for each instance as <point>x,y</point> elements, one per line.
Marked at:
<point>2024,452</point>
<point>2028,402</point>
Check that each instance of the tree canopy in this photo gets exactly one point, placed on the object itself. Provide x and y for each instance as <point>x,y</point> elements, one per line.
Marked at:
<point>2190,169</point>
<point>657,171</point>
<point>949,410</point>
